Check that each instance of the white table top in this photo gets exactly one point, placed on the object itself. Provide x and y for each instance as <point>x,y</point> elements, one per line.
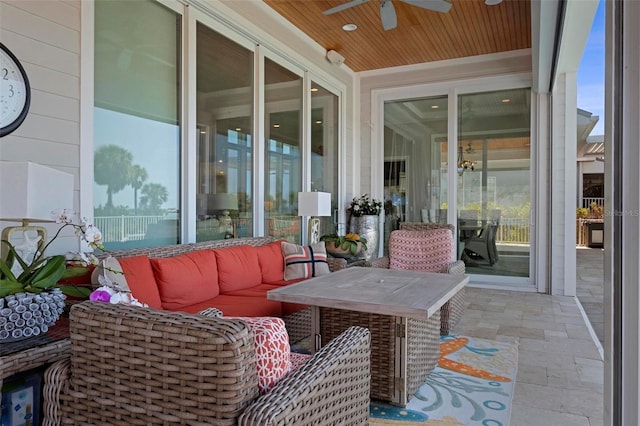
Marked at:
<point>375,290</point>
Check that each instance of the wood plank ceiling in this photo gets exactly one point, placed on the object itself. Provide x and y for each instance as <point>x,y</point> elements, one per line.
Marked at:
<point>470,28</point>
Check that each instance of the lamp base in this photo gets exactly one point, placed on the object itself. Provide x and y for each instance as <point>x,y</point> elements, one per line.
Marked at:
<point>314,230</point>
<point>33,240</point>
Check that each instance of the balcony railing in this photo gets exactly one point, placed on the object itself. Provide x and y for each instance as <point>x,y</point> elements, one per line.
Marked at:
<point>587,201</point>
<point>124,228</point>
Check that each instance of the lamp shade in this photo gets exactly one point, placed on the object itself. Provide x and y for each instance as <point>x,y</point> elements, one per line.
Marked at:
<point>223,201</point>
<point>314,204</point>
<point>31,191</point>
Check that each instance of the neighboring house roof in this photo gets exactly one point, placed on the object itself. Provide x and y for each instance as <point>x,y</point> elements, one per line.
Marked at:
<point>588,145</point>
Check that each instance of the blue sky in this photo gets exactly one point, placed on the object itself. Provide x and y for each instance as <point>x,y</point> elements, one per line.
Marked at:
<point>591,72</point>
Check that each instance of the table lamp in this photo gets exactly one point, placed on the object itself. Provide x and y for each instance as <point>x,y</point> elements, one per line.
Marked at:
<point>224,202</point>
<point>314,204</point>
<point>29,192</point>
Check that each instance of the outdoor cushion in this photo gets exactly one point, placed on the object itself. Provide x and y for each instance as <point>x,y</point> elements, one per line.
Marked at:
<point>304,261</point>
<point>186,279</point>
<point>250,306</point>
<point>271,262</point>
<point>273,359</point>
<point>238,268</point>
<point>141,280</point>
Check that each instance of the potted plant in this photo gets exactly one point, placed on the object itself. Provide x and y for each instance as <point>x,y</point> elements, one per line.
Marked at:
<point>30,298</point>
<point>344,246</point>
<point>364,221</point>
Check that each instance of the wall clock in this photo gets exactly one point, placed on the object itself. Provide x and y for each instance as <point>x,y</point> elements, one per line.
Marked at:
<point>15,92</point>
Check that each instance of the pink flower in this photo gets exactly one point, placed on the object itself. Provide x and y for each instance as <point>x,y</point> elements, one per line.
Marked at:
<point>100,296</point>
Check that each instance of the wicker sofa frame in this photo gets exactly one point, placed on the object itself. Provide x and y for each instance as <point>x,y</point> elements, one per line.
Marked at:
<point>452,311</point>
<point>141,366</point>
<point>298,324</point>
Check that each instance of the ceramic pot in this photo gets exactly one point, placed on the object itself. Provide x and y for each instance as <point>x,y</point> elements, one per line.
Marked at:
<point>340,252</point>
<point>367,227</point>
<point>24,315</point>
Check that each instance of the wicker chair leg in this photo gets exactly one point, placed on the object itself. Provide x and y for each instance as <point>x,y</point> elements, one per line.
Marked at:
<point>55,379</point>
<point>451,312</point>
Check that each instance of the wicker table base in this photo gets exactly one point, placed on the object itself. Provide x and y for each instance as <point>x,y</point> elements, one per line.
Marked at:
<point>403,350</point>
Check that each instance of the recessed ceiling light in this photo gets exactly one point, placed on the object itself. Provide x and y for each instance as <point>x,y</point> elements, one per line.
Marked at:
<point>314,89</point>
<point>435,106</point>
<point>349,27</point>
<point>238,129</point>
<point>203,132</point>
<point>506,101</point>
<point>492,2</point>
<point>277,126</point>
<point>318,121</point>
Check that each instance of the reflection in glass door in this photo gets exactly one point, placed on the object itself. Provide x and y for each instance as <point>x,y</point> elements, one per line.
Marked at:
<point>415,167</point>
<point>494,191</point>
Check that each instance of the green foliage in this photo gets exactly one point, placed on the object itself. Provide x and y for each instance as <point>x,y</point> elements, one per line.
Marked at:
<point>346,242</point>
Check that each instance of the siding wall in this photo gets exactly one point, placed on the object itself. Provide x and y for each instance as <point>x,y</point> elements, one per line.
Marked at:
<point>45,37</point>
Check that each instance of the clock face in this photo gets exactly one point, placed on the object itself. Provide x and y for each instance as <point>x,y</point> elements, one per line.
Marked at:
<point>15,93</point>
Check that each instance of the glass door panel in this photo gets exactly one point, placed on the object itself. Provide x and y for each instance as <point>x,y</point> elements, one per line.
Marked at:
<point>224,157</point>
<point>324,150</point>
<point>283,132</point>
<point>493,184</point>
<point>137,124</point>
<point>415,166</point>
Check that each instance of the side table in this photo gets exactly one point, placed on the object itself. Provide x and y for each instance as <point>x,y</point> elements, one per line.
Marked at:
<point>24,355</point>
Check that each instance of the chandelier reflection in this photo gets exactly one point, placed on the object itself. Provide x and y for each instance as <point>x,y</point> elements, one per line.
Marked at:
<point>464,165</point>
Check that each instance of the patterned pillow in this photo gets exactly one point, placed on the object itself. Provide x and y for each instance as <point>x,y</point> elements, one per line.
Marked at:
<point>273,358</point>
<point>304,262</point>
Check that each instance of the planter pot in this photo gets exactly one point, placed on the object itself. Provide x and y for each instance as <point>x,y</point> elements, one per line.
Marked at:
<point>340,252</point>
<point>367,227</point>
<point>25,315</point>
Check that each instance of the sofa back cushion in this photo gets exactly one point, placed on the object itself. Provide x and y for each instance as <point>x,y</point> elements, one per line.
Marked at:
<point>238,268</point>
<point>141,281</point>
<point>186,279</point>
<point>271,262</point>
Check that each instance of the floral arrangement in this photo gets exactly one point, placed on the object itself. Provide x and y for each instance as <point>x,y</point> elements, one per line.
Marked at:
<point>351,242</point>
<point>44,273</point>
<point>364,205</point>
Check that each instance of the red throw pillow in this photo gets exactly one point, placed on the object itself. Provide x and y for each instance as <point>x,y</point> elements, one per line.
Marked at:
<point>142,283</point>
<point>186,279</point>
<point>238,268</point>
<point>271,262</point>
<point>273,358</point>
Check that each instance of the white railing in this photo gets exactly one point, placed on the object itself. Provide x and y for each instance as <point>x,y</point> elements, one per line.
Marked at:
<point>513,231</point>
<point>586,201</point>
<point>124,228</point>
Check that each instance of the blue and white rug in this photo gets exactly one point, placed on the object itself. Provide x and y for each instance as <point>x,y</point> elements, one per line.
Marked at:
<point>472,385</point>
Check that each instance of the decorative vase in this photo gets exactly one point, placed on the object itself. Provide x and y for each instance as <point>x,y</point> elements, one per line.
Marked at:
<point>24,315</point>
<point>340,252</point>
<point>367,227</point>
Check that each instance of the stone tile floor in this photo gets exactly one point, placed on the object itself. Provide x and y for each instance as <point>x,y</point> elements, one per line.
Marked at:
<point>560,372</point>
<point>590,286</point>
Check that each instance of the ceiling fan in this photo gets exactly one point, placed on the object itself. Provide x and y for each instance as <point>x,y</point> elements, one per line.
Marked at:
<point>388,12</point>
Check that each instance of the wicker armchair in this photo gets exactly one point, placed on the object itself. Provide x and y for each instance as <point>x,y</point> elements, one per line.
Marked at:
<point>430,249</point>
<point>139,366</point>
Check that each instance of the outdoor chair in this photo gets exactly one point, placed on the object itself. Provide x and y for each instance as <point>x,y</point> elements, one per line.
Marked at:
<point>130,365</point>
<point>484,244</point>
<point>429,250</point>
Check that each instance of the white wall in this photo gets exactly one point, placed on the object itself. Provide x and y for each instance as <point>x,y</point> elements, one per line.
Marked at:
<point>45,37</point>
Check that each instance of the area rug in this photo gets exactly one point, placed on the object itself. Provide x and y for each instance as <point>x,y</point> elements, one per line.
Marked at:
<point>472,385</point>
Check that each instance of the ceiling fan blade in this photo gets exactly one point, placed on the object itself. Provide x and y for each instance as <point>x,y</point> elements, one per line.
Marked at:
<point>388,15</point>
<point>435,5</point>
<point>344,6</point>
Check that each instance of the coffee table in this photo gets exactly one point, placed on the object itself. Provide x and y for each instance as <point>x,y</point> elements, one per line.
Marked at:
<point>401,309</point>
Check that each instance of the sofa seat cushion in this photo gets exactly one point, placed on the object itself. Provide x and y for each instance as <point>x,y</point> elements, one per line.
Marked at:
<point>273,354</point>
<point>238,268</point>
<point>186,279</point>
<point>271,262</point>
<point>282,283</point>
<point>138,272</point>
<point>249,306</point>
<point>292,308</point>
<point>259,290</point>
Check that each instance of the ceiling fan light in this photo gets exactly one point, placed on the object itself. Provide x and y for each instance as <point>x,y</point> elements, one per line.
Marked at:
<point>492,2</point>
